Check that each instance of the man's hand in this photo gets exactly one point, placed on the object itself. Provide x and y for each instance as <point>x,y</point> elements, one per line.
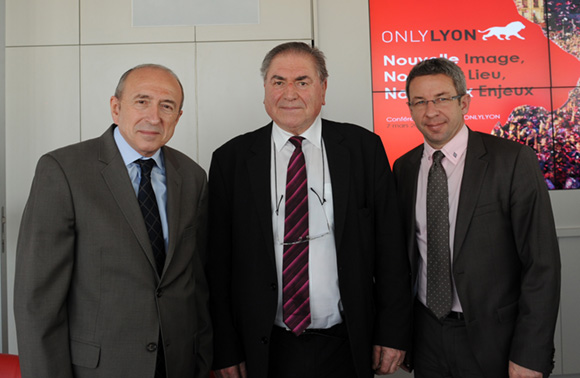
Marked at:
<point>517,371</point>
<point>386,360</point>
<point>236,371</point>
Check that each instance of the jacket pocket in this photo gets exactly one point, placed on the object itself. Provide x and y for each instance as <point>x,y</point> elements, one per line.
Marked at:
<point>85,354</point>
<point>487,208</point>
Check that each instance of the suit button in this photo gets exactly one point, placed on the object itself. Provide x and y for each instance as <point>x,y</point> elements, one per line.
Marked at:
<point>273,286</point>
<point>159,293</point>
<point>151,347</point>
<point>264,340</point>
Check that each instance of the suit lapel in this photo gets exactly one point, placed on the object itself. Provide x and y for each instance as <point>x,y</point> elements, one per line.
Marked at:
<point>339,167</point>
<point>259,166</point>
<point>117,179</point>
<point>471,184</point>
<point>174,185</point>
<point>407,188</point>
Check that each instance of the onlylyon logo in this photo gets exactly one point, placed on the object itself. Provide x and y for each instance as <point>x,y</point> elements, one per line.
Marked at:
<point>453,35</point>
<point>510,30</point>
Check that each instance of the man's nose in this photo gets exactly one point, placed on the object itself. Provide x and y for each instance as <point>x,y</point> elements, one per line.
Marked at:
<point>290,92</point>
<point>431,109</point>
<point>154,114</point>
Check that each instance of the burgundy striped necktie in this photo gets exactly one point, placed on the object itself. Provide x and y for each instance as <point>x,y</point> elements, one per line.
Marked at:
<point>295,259</point>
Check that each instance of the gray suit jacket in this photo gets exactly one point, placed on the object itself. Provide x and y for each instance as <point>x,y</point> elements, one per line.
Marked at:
<point>506,261</point>
<point>88,300</point>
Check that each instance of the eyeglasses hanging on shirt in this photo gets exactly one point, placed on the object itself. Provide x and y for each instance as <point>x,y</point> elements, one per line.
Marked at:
<point>317,229</point>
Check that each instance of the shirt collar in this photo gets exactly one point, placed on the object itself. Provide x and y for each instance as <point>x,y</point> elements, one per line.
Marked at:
<point>313,134</point>
<point>454,149</point>
<point>129,155</point>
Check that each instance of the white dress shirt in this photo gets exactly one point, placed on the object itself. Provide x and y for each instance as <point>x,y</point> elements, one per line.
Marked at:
<point>322,269</point>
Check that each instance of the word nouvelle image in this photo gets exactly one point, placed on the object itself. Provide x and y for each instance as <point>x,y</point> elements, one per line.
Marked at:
<point>393,63</point>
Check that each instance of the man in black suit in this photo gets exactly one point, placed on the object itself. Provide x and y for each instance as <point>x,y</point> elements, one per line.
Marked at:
<point>356,296</point>
<point>487,305</point>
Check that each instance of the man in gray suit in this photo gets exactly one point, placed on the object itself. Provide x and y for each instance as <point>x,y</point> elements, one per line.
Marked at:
<point>110,283</point>
<point>483,250</point>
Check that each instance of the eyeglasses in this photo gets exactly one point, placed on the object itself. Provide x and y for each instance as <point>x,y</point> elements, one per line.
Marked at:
<point>315,231</point>
<point>438,102</point>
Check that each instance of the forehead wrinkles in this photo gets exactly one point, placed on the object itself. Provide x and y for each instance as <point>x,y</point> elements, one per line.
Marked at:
<point>160,99</point>
<point>154,83</point>
<point>292,62</point>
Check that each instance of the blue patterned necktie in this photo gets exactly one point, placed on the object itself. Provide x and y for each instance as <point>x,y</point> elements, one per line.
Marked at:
<point>150,211</point>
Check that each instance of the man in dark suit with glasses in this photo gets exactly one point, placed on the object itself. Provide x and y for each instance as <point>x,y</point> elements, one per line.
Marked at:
<point>482,242</point>
<point>308,274</point>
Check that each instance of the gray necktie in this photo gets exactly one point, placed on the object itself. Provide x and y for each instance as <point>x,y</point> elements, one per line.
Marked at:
<point>439,291</point>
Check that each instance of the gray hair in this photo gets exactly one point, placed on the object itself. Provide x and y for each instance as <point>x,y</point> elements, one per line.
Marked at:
<point>437,66</point>
<point>123,79</point>
<point>296,48</point>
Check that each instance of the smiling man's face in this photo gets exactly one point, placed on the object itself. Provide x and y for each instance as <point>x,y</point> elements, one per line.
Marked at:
<point>148,110</point>
<point>438,124</point>
<point>294,94</point>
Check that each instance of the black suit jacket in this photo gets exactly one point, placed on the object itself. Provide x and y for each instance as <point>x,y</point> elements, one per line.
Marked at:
<point>506,262</point>
<point>372,266</point>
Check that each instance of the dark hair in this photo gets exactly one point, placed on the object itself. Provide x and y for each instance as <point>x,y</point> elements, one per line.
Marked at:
<point>437,66</point>
<point>121,84</point>
<point>296,48</point>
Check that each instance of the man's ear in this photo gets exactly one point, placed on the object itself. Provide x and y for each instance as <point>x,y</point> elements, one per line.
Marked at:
<point>115,106</point>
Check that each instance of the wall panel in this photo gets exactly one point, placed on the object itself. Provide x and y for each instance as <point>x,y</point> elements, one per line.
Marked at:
<point>42,22</point>
<point>42,113</point>
<point>570,306</point>
<point>110,21</point>
<point>343,36</point>
<point>279,19</point>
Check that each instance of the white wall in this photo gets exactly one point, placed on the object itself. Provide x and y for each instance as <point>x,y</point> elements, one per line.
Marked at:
<point>64,57</point>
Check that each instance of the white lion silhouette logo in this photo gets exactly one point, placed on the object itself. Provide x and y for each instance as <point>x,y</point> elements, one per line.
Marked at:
<point>510,30</point>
